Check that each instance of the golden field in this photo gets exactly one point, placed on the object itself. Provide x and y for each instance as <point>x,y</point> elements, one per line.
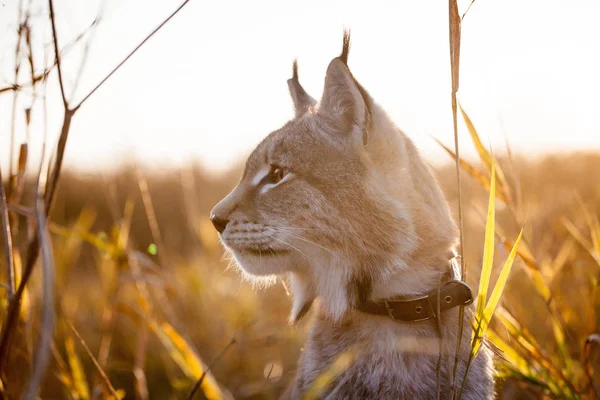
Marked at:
<point>114,285</point>
<point>141,277</point>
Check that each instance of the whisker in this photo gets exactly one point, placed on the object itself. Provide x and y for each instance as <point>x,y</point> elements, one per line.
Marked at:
<point>281,229</point>
<point>309,229</point>
<point>289,245</point>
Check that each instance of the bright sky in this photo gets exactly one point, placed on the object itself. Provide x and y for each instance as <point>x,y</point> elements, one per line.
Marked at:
<point>212,83</point>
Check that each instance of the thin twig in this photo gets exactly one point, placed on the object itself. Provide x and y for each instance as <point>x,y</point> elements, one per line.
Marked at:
<point>198,383</point>
<point>86,49</point>
<point>467,10</point>
<point>131,54</point>
<point>57,55</point>
<point>109,386</point>
<point>16,94</point>
<point>35,79</point>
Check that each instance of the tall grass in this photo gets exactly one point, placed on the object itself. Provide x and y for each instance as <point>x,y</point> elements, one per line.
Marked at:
<point>560,376</point>
<point>131,296</point>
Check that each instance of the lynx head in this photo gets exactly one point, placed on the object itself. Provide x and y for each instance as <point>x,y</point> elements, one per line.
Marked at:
<point>340,199</point>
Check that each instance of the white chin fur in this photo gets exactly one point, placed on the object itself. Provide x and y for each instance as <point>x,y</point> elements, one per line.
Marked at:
<point>261,265</point>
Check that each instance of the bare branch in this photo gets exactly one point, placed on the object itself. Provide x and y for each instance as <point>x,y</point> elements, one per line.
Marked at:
<point>57,55</point>
<point>115,69</point>
<point>16,94</point>
<point>109,385</point>
<point>467,10</point>
<point>35,79</point>
<point>86,50</point>
<point>198,383</point>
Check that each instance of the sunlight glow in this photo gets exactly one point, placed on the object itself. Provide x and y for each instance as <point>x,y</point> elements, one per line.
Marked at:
<point>212,83</point>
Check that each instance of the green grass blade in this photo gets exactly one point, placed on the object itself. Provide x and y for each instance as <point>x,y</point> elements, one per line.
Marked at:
<point>492,303</point>
<point>488,250</point>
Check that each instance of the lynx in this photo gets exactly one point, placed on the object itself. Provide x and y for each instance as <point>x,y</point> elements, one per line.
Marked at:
<point>341,202</point>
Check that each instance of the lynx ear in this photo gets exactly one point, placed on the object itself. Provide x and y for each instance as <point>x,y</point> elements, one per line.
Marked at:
<point>344,101</point>
<point>302,100</point>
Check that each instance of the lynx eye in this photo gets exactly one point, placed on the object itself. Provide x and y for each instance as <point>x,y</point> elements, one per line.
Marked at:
<point>276,174</point>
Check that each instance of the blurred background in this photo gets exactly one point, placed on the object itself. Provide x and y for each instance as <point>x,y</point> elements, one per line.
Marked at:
<point>143,299</point>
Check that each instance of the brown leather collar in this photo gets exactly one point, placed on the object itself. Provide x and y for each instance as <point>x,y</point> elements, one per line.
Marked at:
<point>452,294</point>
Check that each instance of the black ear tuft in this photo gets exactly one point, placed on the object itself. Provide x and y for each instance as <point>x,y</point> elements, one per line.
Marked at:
<point>295,70</point>
<point>302,100</point>
<point>345,47</point>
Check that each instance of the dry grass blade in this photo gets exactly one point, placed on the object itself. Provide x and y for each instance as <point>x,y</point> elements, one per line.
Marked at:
<point>8,247</point>
<point>484,154</point>
<point>325,379</point>
<point>105,379</point>
<point>594,227</point>
<point>454,45</point>
<point>509,354</point>
<point>185,357</point>
<point>578,236</point>
<point>48,318</point>
<point>477,175</point>
<point>151,215</point>
<point>97,241</point>
<point>594,224</point>
<point>199,382</point>
<point>527,341</point>
<point>486,157</point>
<point>523,252</point>
<point>79,379</point>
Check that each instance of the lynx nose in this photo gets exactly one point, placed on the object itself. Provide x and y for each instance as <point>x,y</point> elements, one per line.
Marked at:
<point>219,223</point>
